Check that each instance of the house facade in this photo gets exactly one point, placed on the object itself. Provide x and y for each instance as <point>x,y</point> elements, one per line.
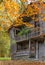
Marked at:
<point>28,46</point>
<point>31,45</point>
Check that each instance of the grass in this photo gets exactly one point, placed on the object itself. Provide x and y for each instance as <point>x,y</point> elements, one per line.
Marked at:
<point>4,58</point>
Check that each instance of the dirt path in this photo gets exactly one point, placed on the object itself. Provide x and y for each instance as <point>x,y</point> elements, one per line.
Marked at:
<point>21,62</point>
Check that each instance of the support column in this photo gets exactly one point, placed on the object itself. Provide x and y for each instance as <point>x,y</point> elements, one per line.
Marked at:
<point>13,43</point>
<point>29,47</point>
<point>44,48</point>
<point>37,54</point>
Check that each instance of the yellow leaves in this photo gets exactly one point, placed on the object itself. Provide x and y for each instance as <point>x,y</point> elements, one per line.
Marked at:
<point>9,23</point>
<point>0,17</point>
<point>3,22</point>
<point>1,28</point>
<point>13,4</point>
<point>40,0</point>
<point>19,21</point>
<point>34,12</point>
<point>43,19</point>
<point>6,24</point>
<point>7,5</point>
<point>32,9</point>
<point>13,8</point>
<point>23,15</point>
<point>1,7</point>
<point>29,24</point>
<point>24,0</point>
<point>43,5</point>
<point>43,0</point>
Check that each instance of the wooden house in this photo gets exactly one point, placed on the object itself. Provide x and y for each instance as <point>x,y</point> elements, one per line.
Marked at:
<point>28,46</point>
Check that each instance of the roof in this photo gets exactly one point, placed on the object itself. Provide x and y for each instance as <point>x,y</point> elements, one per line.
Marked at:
<point>16,27</point>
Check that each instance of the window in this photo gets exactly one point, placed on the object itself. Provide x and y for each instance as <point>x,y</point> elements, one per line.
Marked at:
<point>17,31</point>
<point>22,46</point>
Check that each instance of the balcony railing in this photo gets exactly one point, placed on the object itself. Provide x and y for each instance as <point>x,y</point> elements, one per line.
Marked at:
<point>33,33</point>
<point>22,53</point>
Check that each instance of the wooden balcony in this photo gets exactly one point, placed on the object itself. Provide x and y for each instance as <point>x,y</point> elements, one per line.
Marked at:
<point>35,32</point>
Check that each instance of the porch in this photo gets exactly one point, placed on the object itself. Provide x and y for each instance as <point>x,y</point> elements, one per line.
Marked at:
<point>30,49</point>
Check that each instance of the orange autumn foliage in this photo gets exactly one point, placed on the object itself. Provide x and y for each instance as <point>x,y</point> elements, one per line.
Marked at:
<point>1,28</point>
<point>14,17</point>
<point>24,0</point>
<point>35,10</point>
<point>12,7</point>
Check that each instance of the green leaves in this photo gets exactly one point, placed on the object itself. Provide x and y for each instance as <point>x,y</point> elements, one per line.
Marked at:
<point>4,44</point>
<point>24,31</point>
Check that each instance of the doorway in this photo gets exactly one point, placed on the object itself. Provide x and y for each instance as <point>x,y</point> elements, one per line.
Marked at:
<point>41,49</point>
<point>33,50</point>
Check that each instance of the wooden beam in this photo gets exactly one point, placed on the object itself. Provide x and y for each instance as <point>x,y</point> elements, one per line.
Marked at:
<point>29,47</point>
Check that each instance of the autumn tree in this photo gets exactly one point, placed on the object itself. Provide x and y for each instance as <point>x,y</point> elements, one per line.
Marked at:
<point>15,13</point>
<point>4,44</point>
<point>12,12</point>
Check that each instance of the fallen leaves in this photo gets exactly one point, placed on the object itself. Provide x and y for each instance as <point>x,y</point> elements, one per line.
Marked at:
<point>21,62</point>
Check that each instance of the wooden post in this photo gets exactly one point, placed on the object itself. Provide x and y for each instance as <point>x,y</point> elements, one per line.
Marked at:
<point>44,48</point>
<point>37,54</point>
<point>12,33</point>
<point>29,48</point>
<point>13,45</point>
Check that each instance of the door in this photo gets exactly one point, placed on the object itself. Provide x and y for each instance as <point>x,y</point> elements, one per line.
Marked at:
<point>33,50</point>
<point>41,50</point>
